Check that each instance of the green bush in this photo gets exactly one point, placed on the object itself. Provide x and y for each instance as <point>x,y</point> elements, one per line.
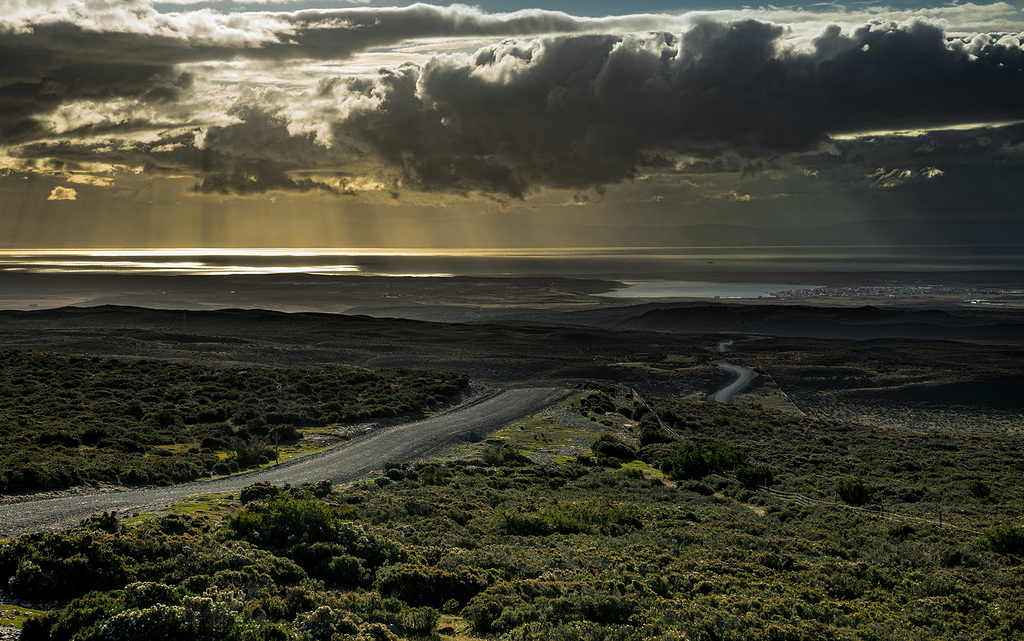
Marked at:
<point>609,446</point>
<point>198,619</point>
<point>654,436</point>
<point>754,477</point>
<point>503,456</point>
<point>1006,540</point>
<point>347,572</point>
<point>424,585</point>
<point>144,594</point>
<point>697,459</point>
<point>979,489</point>
<point>258,491</point>
<point>853,491</point>
<point>283,520</point>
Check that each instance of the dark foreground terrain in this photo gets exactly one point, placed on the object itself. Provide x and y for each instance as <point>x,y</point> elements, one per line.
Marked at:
<point>404,442</point>
<point>921,384</point>
<point>643,536</point>
<point>861,489</point>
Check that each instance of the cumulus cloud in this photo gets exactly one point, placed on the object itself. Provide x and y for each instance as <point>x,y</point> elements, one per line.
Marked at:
<point>584,111</point>
<point>63,193</point>
<point>255,155</point>
<point>558,101</point>
<point>57,52</point>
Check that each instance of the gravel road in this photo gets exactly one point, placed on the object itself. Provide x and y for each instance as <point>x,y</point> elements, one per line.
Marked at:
<point>743,378</point>
<point>345,462</point>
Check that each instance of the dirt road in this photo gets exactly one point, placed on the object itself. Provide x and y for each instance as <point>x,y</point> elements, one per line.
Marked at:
<point>346,462</point>
<point>743,378</point>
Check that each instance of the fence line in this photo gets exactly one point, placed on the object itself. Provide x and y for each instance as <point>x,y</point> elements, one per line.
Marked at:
<point>639,399</point>
<point>784,394</point>
<point>802,499</point>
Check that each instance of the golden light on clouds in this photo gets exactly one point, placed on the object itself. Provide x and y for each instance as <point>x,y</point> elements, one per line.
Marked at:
<point>63,193</point>
<point>457,126</point>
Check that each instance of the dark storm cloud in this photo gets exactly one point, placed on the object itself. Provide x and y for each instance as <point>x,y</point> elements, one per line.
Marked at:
<point>953,173</point>
<point>38,44</point>
<point>567,111</point>
<point>256,155</point>
<point>22,100</point>
<point>53,58</point>
<point>580,111</point>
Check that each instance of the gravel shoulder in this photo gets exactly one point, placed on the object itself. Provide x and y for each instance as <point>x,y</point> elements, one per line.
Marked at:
<point>343,463</point>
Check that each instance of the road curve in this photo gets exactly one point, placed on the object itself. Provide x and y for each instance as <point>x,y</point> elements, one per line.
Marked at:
<point>743,378</point>
<point>345,462</point>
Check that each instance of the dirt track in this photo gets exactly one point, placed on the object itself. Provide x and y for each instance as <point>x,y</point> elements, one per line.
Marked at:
<point>743,378</point>
<point>346,462</point>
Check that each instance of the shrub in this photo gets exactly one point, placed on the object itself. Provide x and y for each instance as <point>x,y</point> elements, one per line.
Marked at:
<point>609,446</point>
<point>347,572</point>
<point>1006,540</point>
<point>979,489</point>
<point>283,520</point>
<point>483,612</point>
<point>697,459</point>
<point>144,594</point>
<point>252,452</point>
<point>106,522</point>
<point>503,456</point>
<point>198,618</point>
<point>653,436</point>
<point>853,491</point>
<point>753,477</point>
<point>326,623</point>
<point>258,491</point>
<point>424,585</point>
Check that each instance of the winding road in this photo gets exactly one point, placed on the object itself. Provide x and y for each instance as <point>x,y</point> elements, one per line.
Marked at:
<point>743,378</point>
<point>341,463</point>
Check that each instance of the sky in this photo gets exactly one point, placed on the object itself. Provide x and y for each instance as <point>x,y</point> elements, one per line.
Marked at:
<point>134,124</point>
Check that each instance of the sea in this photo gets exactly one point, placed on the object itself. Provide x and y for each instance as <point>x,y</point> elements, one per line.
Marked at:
<point>31,278</point>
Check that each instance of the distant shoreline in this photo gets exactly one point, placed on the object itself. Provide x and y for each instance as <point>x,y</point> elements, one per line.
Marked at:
<point>467,298</point>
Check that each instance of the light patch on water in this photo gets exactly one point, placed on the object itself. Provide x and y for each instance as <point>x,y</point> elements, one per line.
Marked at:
<point>700,289</point>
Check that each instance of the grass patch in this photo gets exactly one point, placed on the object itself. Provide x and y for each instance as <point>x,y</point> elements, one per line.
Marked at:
<point>15,615</point>
<point>648,470</point>
<point>214,505</point>
<point>540,437</point>
<point>313,441</point>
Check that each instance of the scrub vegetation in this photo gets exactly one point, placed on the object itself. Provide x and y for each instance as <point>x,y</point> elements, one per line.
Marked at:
<point>592,547</point>
<point>68,420</point>
<point>923,385</point>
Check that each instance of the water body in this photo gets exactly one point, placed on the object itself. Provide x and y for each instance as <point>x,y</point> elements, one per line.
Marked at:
<point>329,279</point>
<point>680,264</point>
<point>701,289</point>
